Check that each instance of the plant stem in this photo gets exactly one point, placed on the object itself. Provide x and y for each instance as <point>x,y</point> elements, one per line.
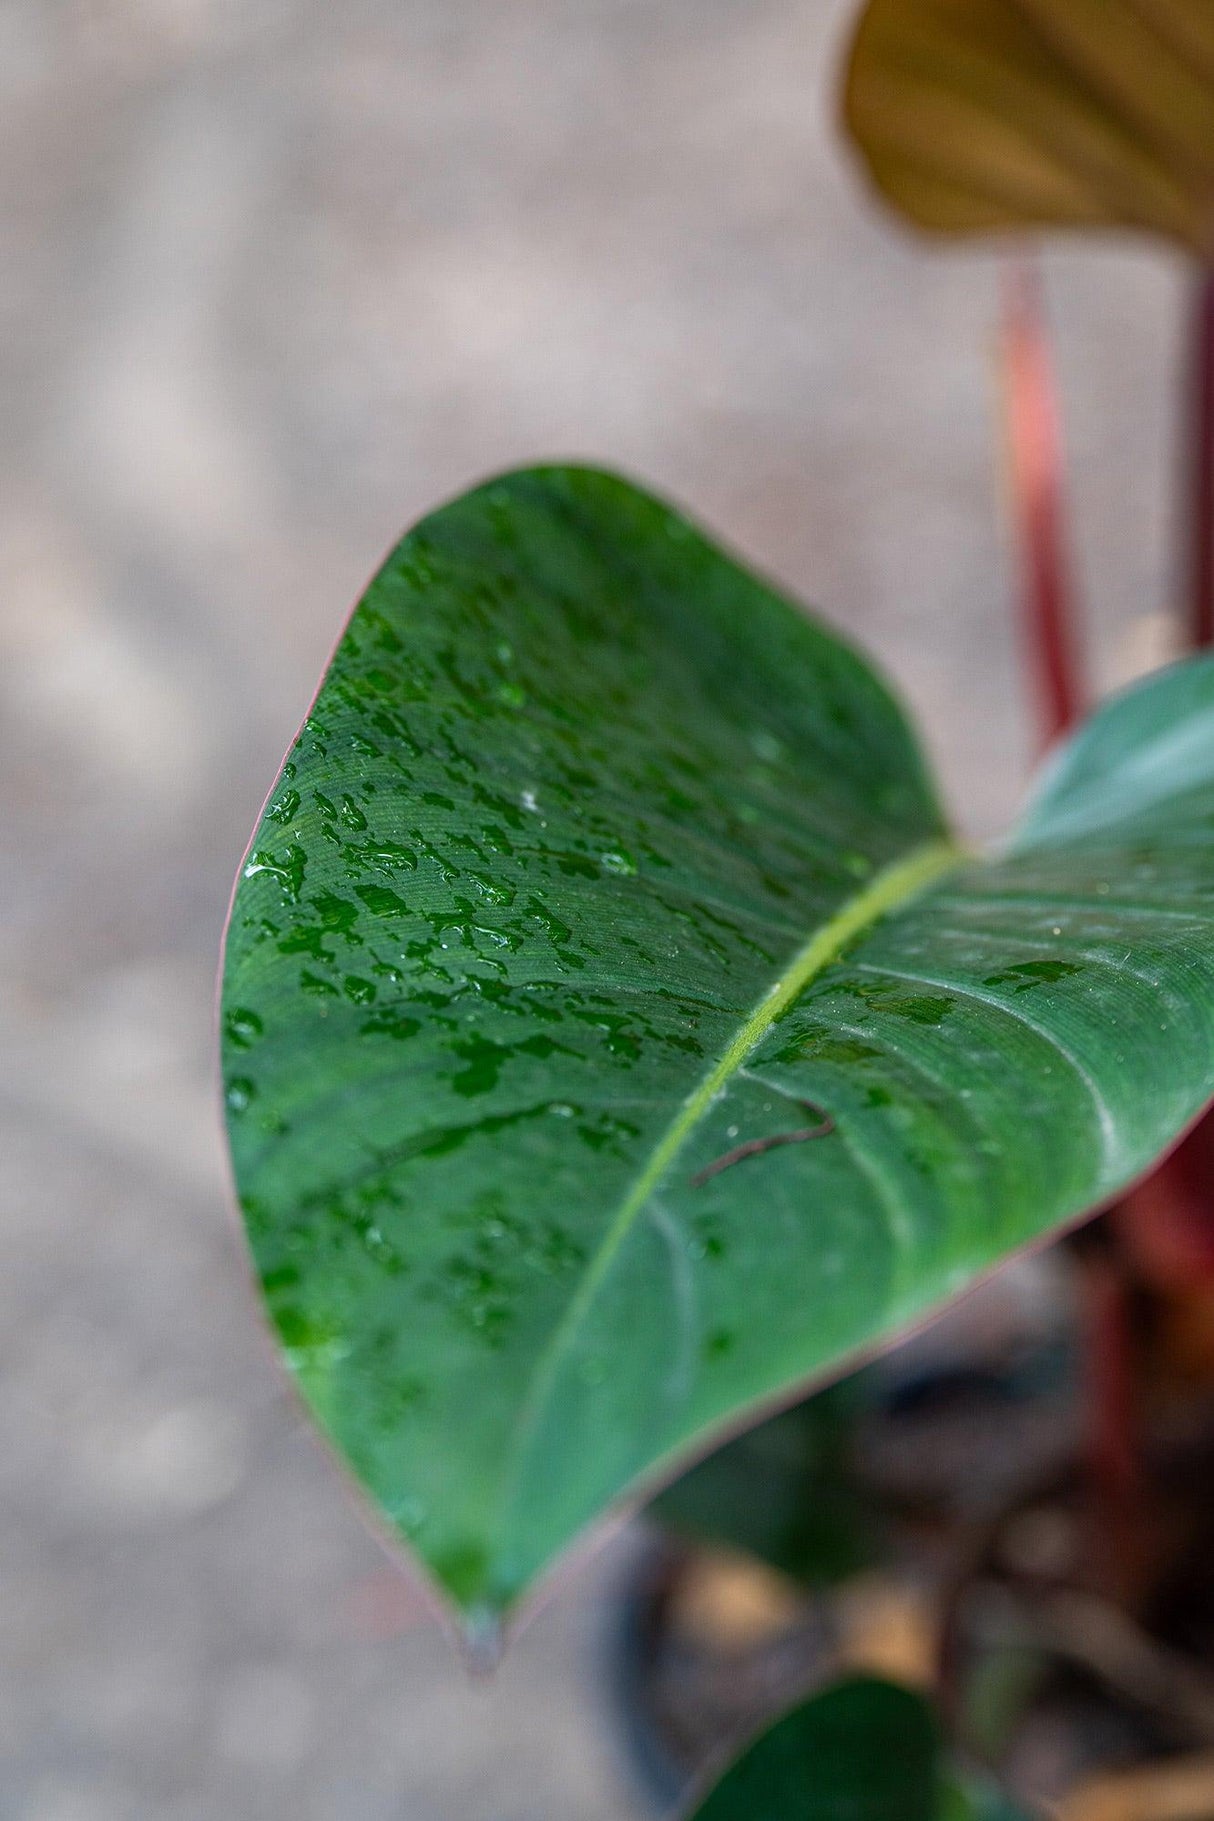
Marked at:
<point>1200,467</point>
<point>1048,605</point>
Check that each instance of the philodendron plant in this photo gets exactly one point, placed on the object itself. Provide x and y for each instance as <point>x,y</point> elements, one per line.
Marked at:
<point>616,1039</point>
<point>618,1044</point>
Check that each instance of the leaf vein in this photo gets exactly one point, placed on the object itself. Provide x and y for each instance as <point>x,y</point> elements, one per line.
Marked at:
<point>889,890</point>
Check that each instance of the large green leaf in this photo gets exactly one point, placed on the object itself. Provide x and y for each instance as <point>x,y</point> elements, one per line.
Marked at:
<point>864,1750</point>
<point>987,114</point>
<point>595,860</point>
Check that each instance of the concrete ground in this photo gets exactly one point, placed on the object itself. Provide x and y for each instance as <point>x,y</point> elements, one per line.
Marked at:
<point>275,276</point>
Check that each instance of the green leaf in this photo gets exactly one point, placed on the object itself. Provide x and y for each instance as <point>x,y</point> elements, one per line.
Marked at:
<point>784,1492</point>
<point>595,860</point>
<point>865,1750</point>
<point>974,115</point>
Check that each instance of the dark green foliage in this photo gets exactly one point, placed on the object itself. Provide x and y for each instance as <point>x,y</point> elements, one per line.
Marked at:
<point>594,861</point>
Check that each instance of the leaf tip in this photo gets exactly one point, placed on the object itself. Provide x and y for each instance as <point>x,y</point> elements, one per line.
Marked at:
<point>482,1640</point>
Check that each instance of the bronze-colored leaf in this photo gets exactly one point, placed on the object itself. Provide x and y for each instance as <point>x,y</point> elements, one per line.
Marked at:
<point>980,115</point>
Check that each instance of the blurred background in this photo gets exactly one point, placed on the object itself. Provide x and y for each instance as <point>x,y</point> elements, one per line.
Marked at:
<point>277,276</point>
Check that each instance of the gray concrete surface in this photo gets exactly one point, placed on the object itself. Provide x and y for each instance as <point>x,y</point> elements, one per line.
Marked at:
<point>276,275</point>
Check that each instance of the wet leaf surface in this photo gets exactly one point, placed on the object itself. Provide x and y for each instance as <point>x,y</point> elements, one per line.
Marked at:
<point>594,861</point>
